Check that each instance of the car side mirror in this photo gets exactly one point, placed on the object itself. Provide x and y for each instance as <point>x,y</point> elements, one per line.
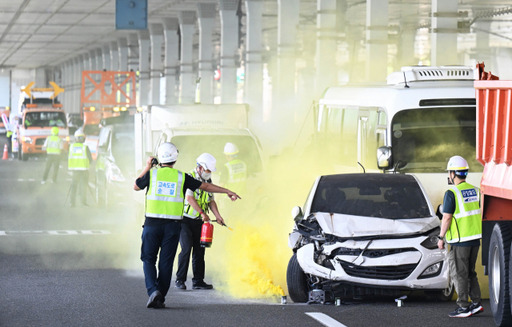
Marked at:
<point>439,211</point>
<point>384,157</point>
<point>297,213</point>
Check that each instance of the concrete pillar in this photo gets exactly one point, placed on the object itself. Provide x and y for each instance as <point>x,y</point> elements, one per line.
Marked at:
<point>133,52</point>
<point>376,40</point>
<point>206,13</point>
<point>228,49</point>
<point>144,43</point>
<point>106,57</point>
<point>482,49</point>
<point>405,55</point>
<point>253,86</point>
<point>114,56</point>
<point>122,44</point>
<point>171,62</point>
<point>157,40</point>
<point>77,82</point>
<point>287,23</point>
<point>187,76</point>
<point>326,73</point>
<point>92,55</point>
<point>443,49</point>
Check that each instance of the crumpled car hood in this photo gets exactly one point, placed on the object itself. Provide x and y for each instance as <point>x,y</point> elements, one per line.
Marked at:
<point>348,226</point>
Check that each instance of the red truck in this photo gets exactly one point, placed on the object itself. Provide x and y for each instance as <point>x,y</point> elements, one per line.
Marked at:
<point>494,151</point>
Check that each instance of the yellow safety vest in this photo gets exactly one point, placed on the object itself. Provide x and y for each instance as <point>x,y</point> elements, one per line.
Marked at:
<point>467,220</point>
<point>237,175</point>
<point>164,198</point>
<point>53,143</point>
<point>203,199</point>
<point>77,158</point>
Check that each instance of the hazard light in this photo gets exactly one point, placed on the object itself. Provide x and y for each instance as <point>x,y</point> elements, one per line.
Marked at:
<point>57,105</point>
<point>31,105</point>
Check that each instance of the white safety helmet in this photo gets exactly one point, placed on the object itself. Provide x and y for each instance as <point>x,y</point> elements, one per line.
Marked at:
<point>207,161</point>
<point>79,133</point>
<point>167,153</point>
<point>230,149</point>
<point>458,164</point>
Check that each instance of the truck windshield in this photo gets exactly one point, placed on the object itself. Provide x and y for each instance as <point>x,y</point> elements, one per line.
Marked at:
<point>191,146</point>
<point>45,119</point>
<point>424,139</point>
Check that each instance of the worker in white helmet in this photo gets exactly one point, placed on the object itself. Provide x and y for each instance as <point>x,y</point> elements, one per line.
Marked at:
<point>165,197</point>
<point>79,159</point>
<point>461,227</point>
<point>190,239</point>
<point>234,175</point>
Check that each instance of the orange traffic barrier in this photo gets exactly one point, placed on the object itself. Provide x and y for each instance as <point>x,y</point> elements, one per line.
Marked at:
<point>6,155</point>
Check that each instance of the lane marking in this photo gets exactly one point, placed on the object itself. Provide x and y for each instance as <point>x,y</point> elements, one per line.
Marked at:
<point>325,319</point>
<point>55,232</point>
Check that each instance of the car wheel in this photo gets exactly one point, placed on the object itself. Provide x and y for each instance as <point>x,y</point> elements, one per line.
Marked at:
<point>298,289</point>
<point>498,265</point>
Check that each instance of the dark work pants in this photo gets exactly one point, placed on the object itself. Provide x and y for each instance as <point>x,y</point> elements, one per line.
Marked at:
<point>190,242</point>
<point>52,160</point>
<point>159,235</point>
<point>80,183</point>
<point>462,261</point>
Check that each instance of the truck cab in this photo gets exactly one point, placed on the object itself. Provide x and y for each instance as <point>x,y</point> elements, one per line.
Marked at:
<point>35,126</point>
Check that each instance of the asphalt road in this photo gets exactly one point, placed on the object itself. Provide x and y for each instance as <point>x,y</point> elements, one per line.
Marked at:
<point>63,266</point>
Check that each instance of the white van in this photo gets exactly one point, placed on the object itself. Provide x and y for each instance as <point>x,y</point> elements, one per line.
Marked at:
<point>414,123</point>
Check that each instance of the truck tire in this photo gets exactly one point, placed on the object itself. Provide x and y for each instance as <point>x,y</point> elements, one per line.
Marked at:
<point>498,265</point>
<point>298,289</point>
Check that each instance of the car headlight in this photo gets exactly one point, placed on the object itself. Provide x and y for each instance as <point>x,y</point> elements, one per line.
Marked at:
<point>27,139</point>
<point>432,270</point>
<point>431,241</point>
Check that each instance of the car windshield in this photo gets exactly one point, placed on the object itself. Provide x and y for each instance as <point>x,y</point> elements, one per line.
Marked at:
<point>394,196</point>
<point>424,139</point>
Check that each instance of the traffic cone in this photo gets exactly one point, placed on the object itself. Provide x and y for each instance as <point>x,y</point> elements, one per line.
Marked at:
<point>6,155</point>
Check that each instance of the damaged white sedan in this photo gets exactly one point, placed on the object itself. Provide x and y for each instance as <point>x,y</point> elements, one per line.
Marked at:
<point>366,235</point>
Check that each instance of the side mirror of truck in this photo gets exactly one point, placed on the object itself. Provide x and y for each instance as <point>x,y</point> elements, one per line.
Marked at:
<point>384,157</point>
<point>297,214</point>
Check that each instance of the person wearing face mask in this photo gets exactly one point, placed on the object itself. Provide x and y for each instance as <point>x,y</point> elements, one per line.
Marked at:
<point>461,227</point>
<point>190,236</point>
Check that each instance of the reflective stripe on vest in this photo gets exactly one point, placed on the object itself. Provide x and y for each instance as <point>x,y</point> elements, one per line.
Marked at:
<point>77,158</point>
<point>202,198</point>
<point>164,198</point>
<point>53,144</point>
<point>467,221</point>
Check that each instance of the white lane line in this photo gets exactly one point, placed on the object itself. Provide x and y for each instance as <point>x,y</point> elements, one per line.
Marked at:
<point>325,319</point>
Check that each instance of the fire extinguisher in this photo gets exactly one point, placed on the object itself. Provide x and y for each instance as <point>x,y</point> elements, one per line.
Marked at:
<point>206,235</point>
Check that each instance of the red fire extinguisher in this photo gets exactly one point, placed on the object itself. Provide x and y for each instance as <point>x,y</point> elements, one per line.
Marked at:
<point>206,235</point>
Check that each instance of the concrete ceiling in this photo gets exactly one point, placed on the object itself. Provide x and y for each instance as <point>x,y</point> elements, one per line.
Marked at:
<point>45,33</point>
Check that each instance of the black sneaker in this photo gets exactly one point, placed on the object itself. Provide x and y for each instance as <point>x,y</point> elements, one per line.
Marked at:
<point>180,284</point>
<point>156,300</point>
<point>476,308</point>
<point>460,312</point>
<point>201,286</point>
